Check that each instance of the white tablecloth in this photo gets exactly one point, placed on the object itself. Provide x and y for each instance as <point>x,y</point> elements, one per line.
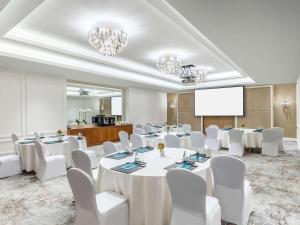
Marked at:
<point>146,189</point>
<point>29,158</point>
<point>185,142</point>
<point>251,139</point>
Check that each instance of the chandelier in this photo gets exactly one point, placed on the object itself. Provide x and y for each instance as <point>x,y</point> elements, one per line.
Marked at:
<point>191,75</point>
<point>107,40</point>
<point>169,64</point>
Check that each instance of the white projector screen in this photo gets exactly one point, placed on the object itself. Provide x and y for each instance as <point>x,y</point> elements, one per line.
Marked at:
<point>219,102</point>
<point>116,106</point>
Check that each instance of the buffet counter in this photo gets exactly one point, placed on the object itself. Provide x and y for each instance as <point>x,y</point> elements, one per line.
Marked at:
<point>96,135</point>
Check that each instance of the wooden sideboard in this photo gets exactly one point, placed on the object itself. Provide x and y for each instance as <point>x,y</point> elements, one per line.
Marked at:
<point>96,135</point>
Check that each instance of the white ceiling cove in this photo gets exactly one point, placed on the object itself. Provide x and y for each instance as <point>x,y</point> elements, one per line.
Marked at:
<point>52,35</point>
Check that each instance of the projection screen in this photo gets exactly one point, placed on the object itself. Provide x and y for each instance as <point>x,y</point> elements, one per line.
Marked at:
<point>219,102</point>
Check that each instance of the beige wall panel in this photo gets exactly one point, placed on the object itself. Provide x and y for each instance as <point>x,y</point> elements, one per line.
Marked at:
<point>221,121</point>
<point>285,118</point>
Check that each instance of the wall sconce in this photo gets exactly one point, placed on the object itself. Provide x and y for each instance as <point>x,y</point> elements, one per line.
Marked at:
<point>173,106</point>
<point>285,103</point>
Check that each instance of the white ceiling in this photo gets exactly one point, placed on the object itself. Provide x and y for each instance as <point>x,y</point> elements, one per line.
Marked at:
<point>50,37</point>
<point>262,37</point>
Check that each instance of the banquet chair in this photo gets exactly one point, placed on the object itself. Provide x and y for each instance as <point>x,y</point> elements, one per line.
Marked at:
<point>186,128</point>
<point>49,166</point>
<point>231,189</point>
<point>280,132</point>
<point>212,138</point>
<point>197,140</point>
<point>82,161</point>
<point>214,126</point>
<point>190,204</point>
<point>75,144</point>
<point>109,148</point>
<point>236,146</point>
<point>139,126</point>
<point>105,208</point>
<point>148,129</point>
<point>270,142</point>
<point>136,141</point>
<point>172,141</point>
<point>10,164</point>
<point>124,139</point>
<point>138,131</point>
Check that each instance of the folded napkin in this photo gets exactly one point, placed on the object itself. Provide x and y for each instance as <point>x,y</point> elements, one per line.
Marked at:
<point>229,128</point>
<point>183,135</point>
<point>259,130</point>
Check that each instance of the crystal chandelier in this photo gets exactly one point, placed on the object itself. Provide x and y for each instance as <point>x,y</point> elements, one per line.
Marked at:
<point>169,64</point>
<point>108,41</point>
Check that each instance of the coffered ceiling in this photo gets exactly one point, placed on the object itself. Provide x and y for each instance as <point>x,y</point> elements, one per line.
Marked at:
<point>52,35</point>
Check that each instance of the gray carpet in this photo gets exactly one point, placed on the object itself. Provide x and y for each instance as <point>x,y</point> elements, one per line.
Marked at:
<point>275,182</point>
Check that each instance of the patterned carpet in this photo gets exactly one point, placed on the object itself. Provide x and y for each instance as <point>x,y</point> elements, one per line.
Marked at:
<point>275,182</point>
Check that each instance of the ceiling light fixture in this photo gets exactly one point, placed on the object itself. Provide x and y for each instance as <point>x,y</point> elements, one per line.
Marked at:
<point>189,74</point>
<point>107,40</point>
<point>169,64</point>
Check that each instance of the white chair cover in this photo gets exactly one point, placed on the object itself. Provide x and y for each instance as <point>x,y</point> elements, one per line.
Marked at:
<point>82,161</point>
<point>10,164</point>
<point>236,146</point>
<point>230,187</point>
<point>138,131</point>
<point>109,148</point>
<point>139,126</point>
<point>188,192</point>
<point>270,141</point>
<point>36,134</point>
<point>74,143</point>
<point>214,126</point>
<point>280,132</point>
<point>49,166</point>
<point>148,129</point>
<point>186,128</point>
<point>136,141</point>
<point>124,138</point>
<point>212,138</point>
<point>172,141</point>
<point>197,140</point>
<point>106,208</point>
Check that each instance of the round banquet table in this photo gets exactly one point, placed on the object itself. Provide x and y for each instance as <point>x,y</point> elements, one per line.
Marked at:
<point>146,189</point>
<point>185,141</point>
<point>29,158</point>
<point>251,139</point>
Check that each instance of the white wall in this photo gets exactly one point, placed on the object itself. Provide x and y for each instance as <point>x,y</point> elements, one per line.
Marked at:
<point>298,110</point>
<point>142,106</point>
<point>30,103</point>
<point>76,103</point>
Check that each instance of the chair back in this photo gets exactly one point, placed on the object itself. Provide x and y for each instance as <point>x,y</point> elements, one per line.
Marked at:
<point>148,128</point>
<point>36,134</point>
<point>270,135</point>
<point>139,126</point>
<point>212,132</point>
<point>136,141</point>
<point>73,142</point>
<point>188,192</point>
<point>235,136</point>
<point>172,141</point>
<point>40,150</point>
<point>83,190</point>
<point>186,128</point>
<point>138,131</point>
<point>228,172</point>
<point>82,161</point>
<point>109,147</point>
<point>214,126</point>
<point>124,138</point>
<point>197,140</point>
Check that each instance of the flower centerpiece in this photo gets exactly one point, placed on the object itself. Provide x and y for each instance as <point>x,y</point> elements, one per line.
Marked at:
<point>59,133</point>
<point>161,147</point>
